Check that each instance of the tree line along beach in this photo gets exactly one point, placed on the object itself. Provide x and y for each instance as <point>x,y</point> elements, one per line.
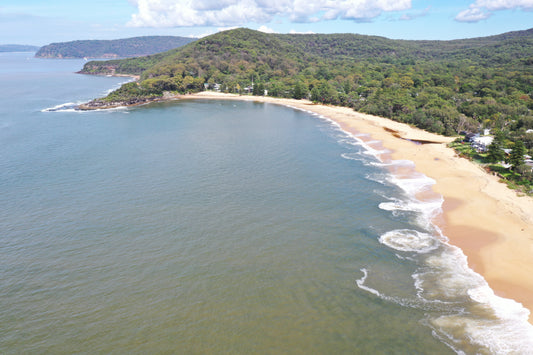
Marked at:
<point>469,220</point>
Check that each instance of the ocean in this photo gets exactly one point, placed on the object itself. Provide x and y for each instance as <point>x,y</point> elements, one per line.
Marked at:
<point>208,227</point>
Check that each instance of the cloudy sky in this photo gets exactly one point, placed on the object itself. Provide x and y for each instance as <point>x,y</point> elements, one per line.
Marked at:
<point>40,22</point>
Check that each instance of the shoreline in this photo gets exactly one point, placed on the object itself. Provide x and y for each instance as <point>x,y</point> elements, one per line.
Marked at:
<point>133,76</point>
<point>489,222</point>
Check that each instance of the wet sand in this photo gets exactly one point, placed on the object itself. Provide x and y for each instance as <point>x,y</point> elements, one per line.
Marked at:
<point>488,221</point>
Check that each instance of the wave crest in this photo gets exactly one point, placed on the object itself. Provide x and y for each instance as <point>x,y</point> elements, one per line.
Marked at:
<point>409,240</point>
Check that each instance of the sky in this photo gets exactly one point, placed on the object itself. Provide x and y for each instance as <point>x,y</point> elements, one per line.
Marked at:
<point>40,22</point>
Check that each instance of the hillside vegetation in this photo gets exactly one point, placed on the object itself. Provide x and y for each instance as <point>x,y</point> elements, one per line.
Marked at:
<point>441,86</point>
<point>128,47</point>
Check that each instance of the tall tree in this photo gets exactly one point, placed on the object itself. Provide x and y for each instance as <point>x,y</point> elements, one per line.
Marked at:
<point>517,155</point>
<point>299,91</point>
<point>495,151</point>
<point>315,94</point>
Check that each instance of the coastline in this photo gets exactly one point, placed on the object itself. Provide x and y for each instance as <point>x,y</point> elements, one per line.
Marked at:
<point>490,223</point>
<point>133,76</point>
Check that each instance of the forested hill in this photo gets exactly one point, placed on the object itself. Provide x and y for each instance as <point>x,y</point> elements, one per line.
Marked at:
<point>442,86</point>
<point>127,47</point>
<point>244,44</point>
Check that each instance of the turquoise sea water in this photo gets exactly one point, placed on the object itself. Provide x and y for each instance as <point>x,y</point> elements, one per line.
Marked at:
<point>207,227</point>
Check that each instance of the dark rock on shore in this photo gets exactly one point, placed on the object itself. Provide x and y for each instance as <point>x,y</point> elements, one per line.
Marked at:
<point>99,104</point>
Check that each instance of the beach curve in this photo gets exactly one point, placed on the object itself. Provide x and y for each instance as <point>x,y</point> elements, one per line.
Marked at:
<point>490,223</point>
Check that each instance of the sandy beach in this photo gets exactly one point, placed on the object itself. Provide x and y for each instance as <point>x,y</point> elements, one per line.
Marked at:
<point>489,222</point>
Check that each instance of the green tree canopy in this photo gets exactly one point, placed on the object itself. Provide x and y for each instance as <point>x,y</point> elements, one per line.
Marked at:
<point>495,151</point>
<point>517,154</point>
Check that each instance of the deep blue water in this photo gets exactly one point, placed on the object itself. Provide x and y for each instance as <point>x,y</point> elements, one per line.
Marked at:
<point>218,227</point>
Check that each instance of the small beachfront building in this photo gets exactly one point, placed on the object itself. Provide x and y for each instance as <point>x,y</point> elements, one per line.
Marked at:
<point>481,143</point>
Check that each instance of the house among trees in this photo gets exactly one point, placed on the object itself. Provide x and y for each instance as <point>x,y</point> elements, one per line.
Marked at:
<point>469,136</point>
<point>528,162</point>
<point>481,143</point>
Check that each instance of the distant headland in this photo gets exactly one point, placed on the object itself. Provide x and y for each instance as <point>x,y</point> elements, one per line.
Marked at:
<point>119,48</point>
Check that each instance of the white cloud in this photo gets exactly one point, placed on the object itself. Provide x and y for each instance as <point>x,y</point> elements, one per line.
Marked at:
<point>266,29</point>
<point>472,15</point>
<point>182,13</point>
<point>210,32</point>
<point>483,9</point>
<point>201,35</point>
<point>294,32</point>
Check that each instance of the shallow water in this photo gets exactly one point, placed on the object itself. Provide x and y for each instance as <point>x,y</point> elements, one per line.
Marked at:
<point>217,227</point>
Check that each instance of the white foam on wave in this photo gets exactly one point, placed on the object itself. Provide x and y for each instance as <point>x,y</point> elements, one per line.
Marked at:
<point>510,332</point>
<point>409,240</point>
<point>470,317</point>
<point>495,324</point>
<point>418,303</point>
<point>367,154</point>
<point>414,184</point>
<point>486,337</point>
<point>375,152</point>
<point>73,107</point>
<point>463,310</point>
<point>424,211</point>
<point>409,206</point>
<point>411,186</point>
<point>447,276</point>
<point>355,156</point>
<point>504,307</point>
<point>368,150</point>
<point>355,140</point>
<point>379,178</point>
<point>66,107</point>
<point>396,163</point>
<point>312,113</point>
<point>361,283</point>
<point>350,141</point>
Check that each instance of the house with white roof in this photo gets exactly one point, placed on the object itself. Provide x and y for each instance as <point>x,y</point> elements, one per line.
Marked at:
<point>481,143</point>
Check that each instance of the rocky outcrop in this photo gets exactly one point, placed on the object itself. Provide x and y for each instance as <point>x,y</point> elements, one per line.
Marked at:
<point>100,104</point>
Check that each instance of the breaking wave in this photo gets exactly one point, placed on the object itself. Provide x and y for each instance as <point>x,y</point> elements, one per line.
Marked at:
<point>462,310</point>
